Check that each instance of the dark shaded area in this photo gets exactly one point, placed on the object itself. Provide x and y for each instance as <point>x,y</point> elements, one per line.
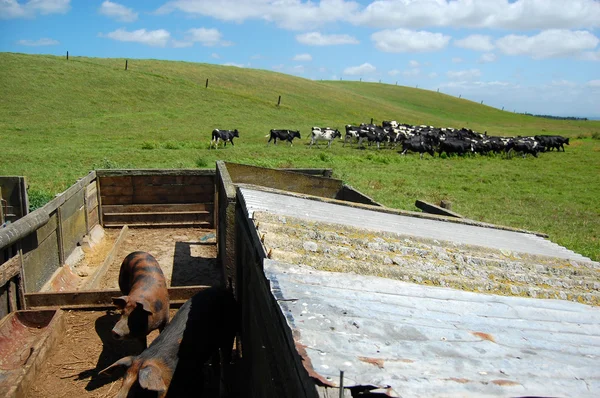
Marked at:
<point>112,351</point>
<point>189,270</point>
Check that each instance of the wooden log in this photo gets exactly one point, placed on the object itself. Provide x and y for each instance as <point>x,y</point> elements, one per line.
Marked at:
<point>10,269</point>
<point>97,299</point>
<point>94,281</point>
<point>22,227</point>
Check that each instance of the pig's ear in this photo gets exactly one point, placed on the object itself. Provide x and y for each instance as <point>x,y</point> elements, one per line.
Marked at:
<point>120,302</point>
<point>150,378</point>
<point>127,361</point>
<point>145,305</point>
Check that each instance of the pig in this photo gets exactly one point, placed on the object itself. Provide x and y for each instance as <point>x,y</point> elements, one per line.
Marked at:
<point>205,324</point>
<point>145,304</point>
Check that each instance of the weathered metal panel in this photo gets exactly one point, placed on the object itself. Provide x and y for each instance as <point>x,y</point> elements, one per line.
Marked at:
<point>428,341</point>
<point>419,227</point>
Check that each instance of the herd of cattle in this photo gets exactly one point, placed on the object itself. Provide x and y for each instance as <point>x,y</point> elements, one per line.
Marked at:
<point>420,139</point>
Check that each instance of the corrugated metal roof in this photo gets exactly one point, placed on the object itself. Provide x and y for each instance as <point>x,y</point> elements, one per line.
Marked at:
<point>257,200</point>
<point>431,341</point>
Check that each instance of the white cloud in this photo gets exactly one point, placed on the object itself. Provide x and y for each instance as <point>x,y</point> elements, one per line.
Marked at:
<point>487,58</point>
<point>360,70</point>
<point>403,40</point>
<point>551,43</point>
<point>394,72</point>
<point>118,12</point>
<point>206,37</point>
<point>432,75</point>
<point>593,83</point>
<point>322,69</point>
<point>413,64</point>
<point>590,56</point>
<point>234,64</point>
<point>476,42</point>
<point>302,57</point>
<point>13,9</point>
<point>41,42</point>
<point>286,14</point>
<point>215,56</point>
<point>277,67</point>
<point>495,14</point>
<point>411,72</point>
<point>298,69</point>
<point>468,74</point>
<point>155,38</point>
<point>457,60</point>
<point>318,39</point>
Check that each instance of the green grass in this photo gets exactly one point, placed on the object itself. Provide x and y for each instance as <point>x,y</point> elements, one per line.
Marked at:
<point>60,119</point>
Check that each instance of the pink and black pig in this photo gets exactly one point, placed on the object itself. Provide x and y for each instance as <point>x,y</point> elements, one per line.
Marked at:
<point>145,304</point>
<point>172,365</point>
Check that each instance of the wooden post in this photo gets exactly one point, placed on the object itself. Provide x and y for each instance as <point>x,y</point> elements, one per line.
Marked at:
<point>481,102</point>
<point>279,101</point>
<point>396,83</point>
<point>360,80</point>
<point>502,108</point>
<point>438,90</point>
<point>125,64</point>
<point>206,84</point>
<point>460,95</point>
<point>67,55</point>
<point>341,384</point>
<point>371,120</point>
<point>379,80</point>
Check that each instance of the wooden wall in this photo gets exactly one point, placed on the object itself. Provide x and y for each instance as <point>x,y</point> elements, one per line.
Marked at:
<point>157,197</point>
<point>35,246</point>
<point>271,362</point>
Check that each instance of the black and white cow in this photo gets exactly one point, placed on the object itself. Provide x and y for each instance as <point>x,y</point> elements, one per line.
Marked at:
<point>223,135</point>
<point>282,135</point>
<point>417,144</point>
<point>324,134</point>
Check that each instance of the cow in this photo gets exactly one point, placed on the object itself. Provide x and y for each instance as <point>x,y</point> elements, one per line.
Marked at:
<point>389,123</point>
<point>551,142</point>
<point>373,134</point>
<point>524,147</point>
<point>282,135</point>
<point>417,144</point>
<point>223,135</point>
<point>451,146</point>
<point>325,134</point>
<point>351,134</point>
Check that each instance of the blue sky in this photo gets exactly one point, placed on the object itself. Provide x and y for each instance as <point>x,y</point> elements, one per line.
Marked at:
<point>538,56</point>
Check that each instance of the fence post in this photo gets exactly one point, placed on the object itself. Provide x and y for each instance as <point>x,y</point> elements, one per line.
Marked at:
<point>279,101</point>
<point>67,55</point>
<point>502,108</point>
<point>371,120</point>
<point>438,90</point>
<point>460,95</point>
<point>360,80</point>
<point>125,64</point>
<point>206,84</point>
<point>481,102</point>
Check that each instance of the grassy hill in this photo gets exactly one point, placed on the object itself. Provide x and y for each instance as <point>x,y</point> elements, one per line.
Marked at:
<point>59,119</point>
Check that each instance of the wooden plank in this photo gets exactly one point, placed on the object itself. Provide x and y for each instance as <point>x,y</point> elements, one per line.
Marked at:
<point>9,270</point>
<point>433,209</point>
<point>97,299</point>
<point>175,190</point>
<point>115,200</point>
<point>158,217</point>
<point>158,199</point>
<point>153,172</point>
<point>22,227</point>
<point>40,264</point>
<point>140,181</point>
<point>116,181</point>
<point>147,208</point>
<point>94,281</point>
<point>162,224</point>
<point>91,197</point>
<point>113,190</point>
<point>73,226</point>
<point>93,218</point>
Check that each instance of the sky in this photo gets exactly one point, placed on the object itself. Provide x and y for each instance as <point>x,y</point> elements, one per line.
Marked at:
<point>535,56</point>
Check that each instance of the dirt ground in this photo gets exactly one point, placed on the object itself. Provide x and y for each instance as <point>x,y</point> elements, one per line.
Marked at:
<point>187,256</point>
<point>72,367</point>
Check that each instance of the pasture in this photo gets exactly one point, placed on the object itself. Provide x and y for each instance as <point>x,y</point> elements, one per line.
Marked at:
<point>59,119</point>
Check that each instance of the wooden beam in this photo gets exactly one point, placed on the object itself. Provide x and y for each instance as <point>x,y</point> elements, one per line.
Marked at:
<point>94,281</point>
<point>10,269</point>
<point>97,299</point>
<point>22,227</point>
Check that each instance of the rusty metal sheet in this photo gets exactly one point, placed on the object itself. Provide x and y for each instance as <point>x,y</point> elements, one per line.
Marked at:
<point>416,340</point>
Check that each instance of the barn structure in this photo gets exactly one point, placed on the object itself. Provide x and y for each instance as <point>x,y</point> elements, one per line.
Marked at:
<point>340,296</point>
